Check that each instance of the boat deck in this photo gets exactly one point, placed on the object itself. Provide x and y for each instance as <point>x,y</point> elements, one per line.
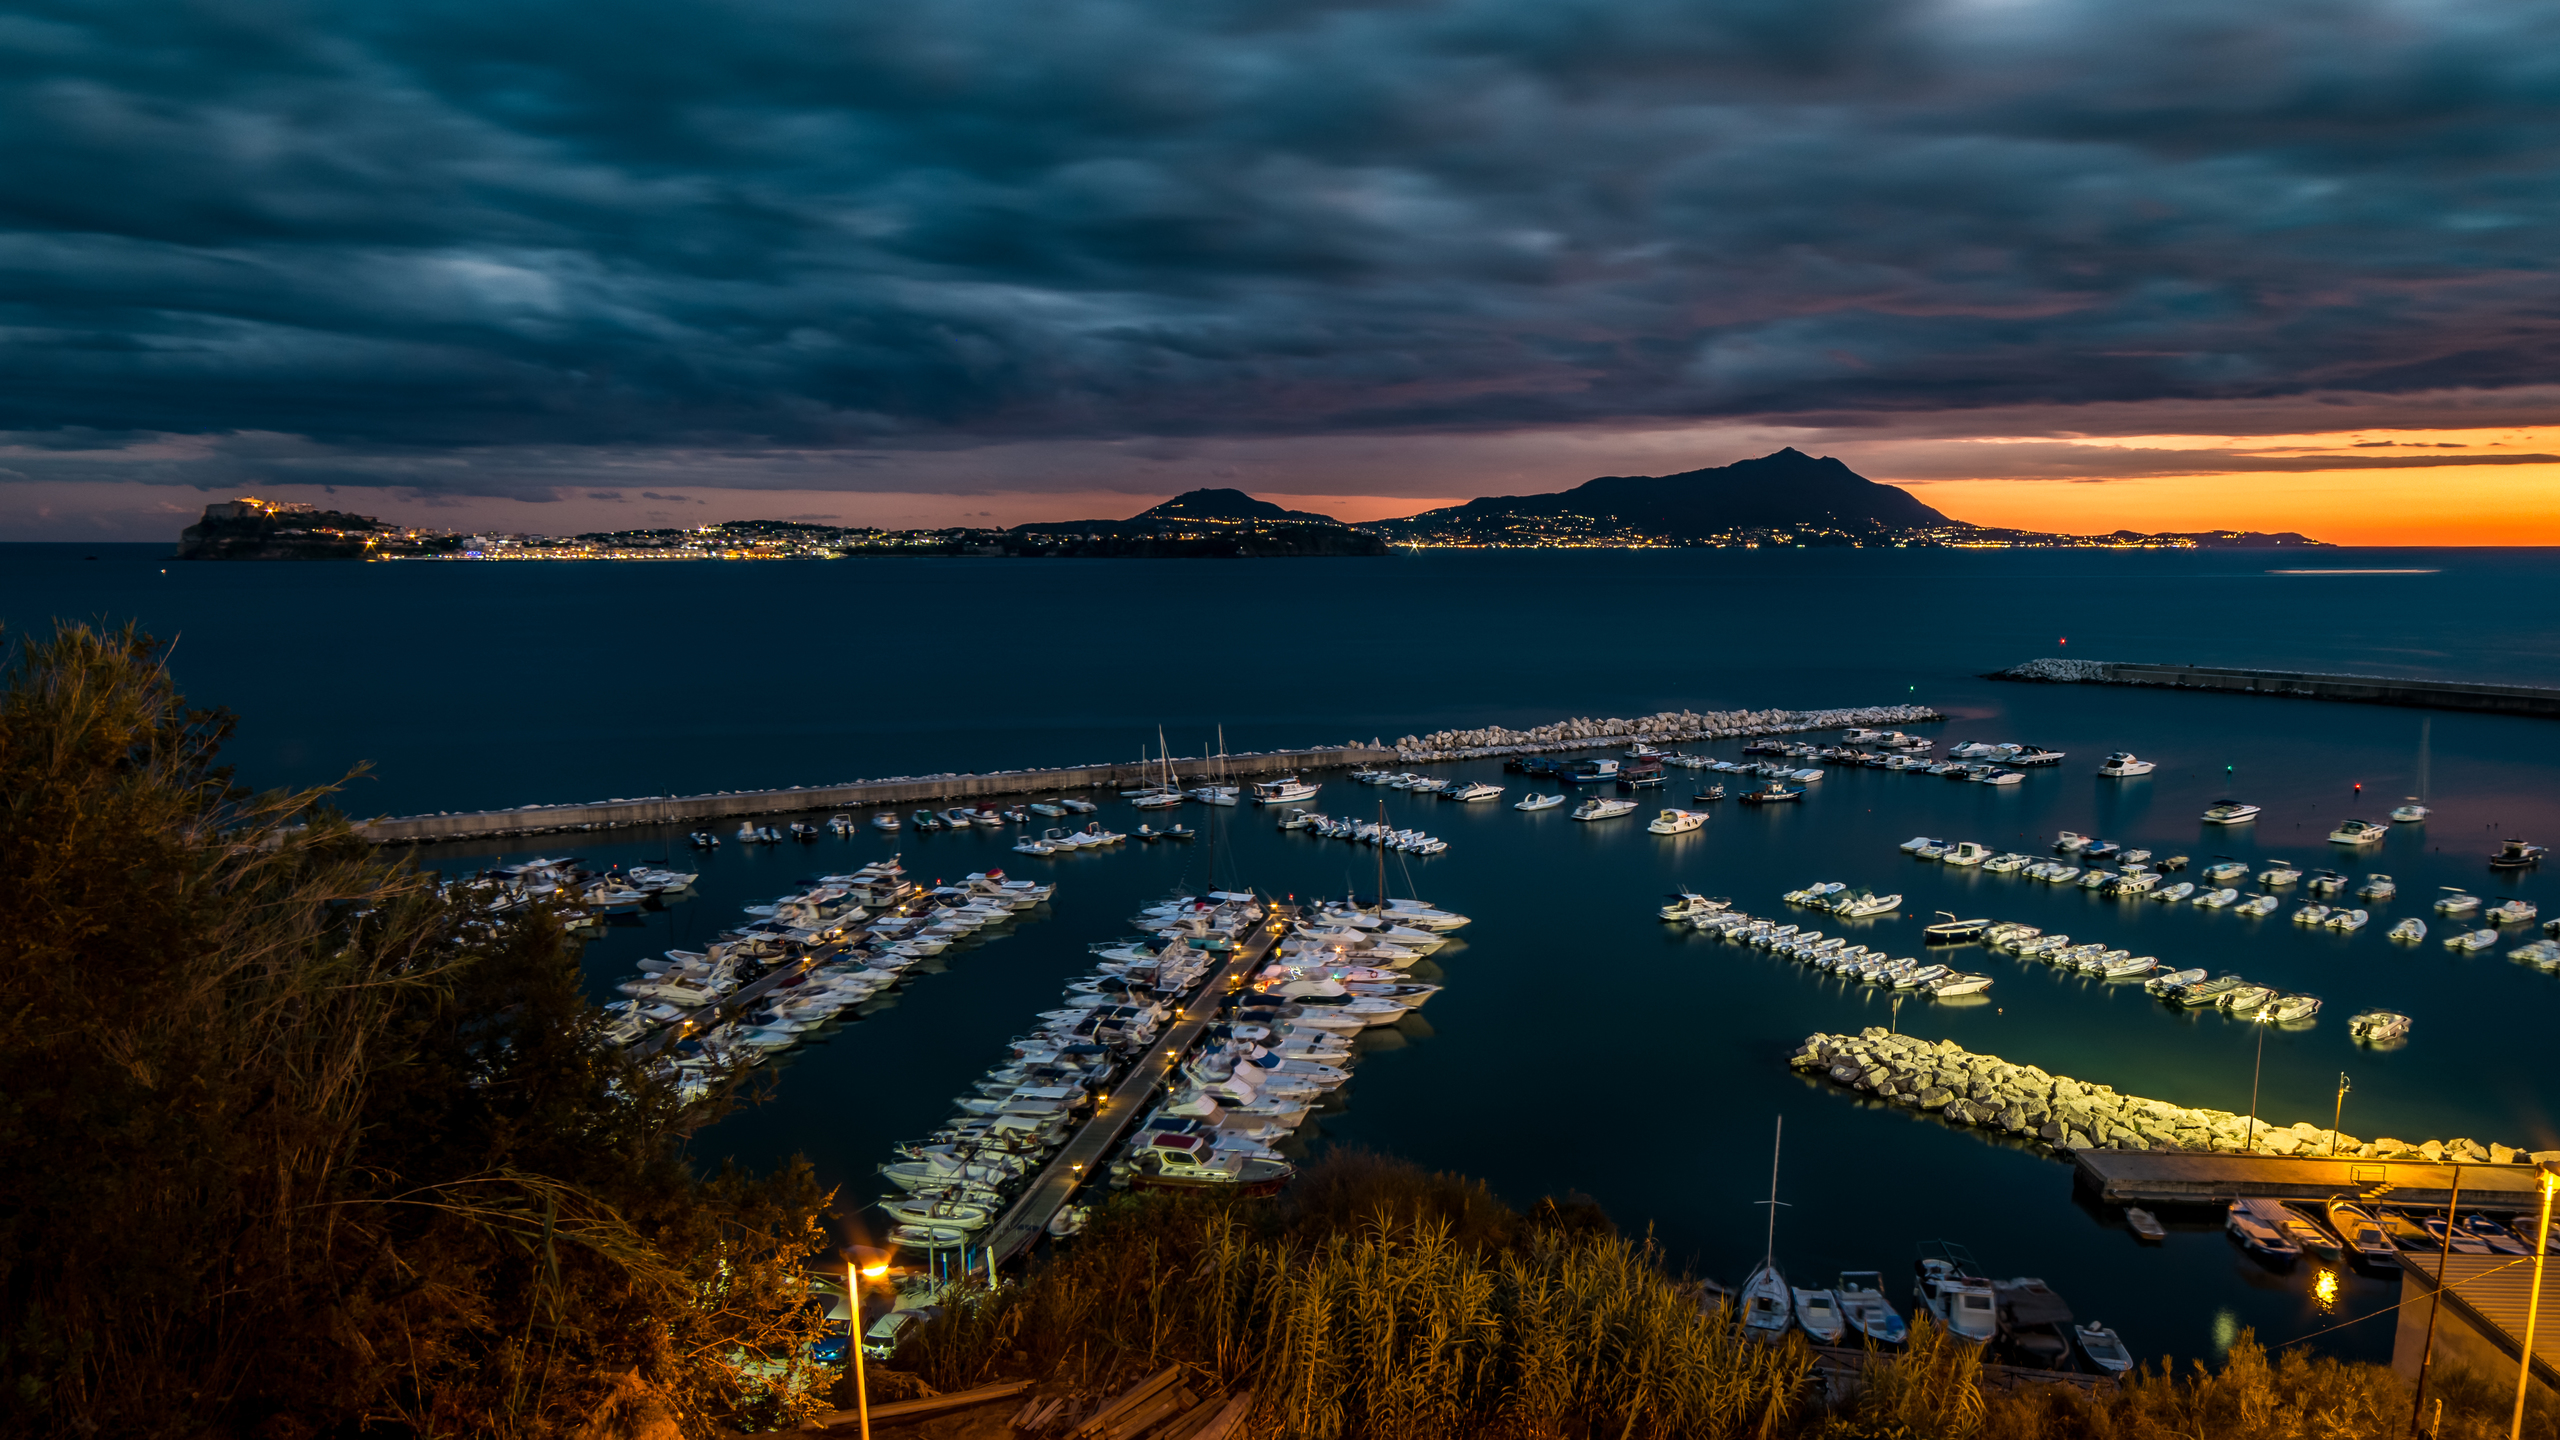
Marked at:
<point>2192,1178</point>
<point>1021,1226</point>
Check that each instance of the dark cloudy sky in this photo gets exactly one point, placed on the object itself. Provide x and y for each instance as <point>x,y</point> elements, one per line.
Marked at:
<point>926,255</point>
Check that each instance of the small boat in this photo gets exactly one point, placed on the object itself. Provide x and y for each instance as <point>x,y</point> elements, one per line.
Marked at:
<point>1918,843</point>
<point>1768,1304</point>
<point>804,831</point>
<point>2278,873</point>
<point>2359,832</point>
<point>885,820</point>
<point>2473,940</point>
<point>2343,918</point>
<point>1952,931</point>
<point>1677,822</point>
<point>1708,796</point>
<point>927,820</point>
<point>703,840</point>
<point>2518,855</point>
<point>2224,869</point>
<point>2122,763</point>
<point>1289,790</point>
<point>1475,790</point>
<point>2175,893</point>
<point>2511,911</point>
<point>1777,792</point>
<point>1861,1295</point>
<point>2457,903</point>
<point>1819,1312</point>
<point>2003,777</point>
<point>2364,1236</point>
<point>2255,1232</point>
<point>1602,807</point>
<point>2409,814</point>
<point>2071,842</point>
<point>1961,1302</point>
<point>2145,1225</point>
<point>1965,853</point>
<point>1535,801</point>
<point>2411,929</point>
<point>2104,1349</point>
<point>2229,812</point>
<point>2377,887</point>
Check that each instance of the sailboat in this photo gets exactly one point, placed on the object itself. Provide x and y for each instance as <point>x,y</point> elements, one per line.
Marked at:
<point>2416,809</point>
<point>1166,791</point>
<point>1219,791</point>
<point>1768,1305</point>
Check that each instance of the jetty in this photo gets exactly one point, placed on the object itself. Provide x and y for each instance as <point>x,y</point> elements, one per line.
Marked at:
<point>1082,1157</point>
<point>853,795</point>
<point>2533,700</point>
<point>2138,1177</point>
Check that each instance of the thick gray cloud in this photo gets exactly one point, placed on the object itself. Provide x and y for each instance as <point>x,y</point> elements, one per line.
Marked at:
<point>431,237</point>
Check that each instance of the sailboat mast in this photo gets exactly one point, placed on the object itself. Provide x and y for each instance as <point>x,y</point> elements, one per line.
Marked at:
<point>1774,1146</point>
<point>1382,859</point>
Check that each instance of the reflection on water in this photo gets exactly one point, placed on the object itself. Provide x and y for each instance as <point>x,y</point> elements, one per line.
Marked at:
<point>2226,1330</point>
<point>2325,1291</point>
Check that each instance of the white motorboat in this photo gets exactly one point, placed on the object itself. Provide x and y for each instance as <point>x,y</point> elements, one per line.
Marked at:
<point>2223,869</point>
<point>1677,822</point>
<point>1867,902</point>
<point>2255,1231</point>
<point>1535,801</point>
<point>1214,794</point>
<point>2311,915</point>
<point>1689,905</point>
<point>2229,812</point>
<point>1603,807</point>
<point>2377,887</point>
<point>2378,1025</point>
<point>1819,1312</point>
<point>2457,903</point>
<point>2258,905</point>
<point>2072,842</point>
<point>2122,763</point>
<point>1475,790</point>
<point>2511,912</point>
<point>886,820</point>
<point>2411,929</point>
<point>2410,813</point>
<point>2278,873</point>
<point>1288,790</point>
<point>2288,1009</point>
<point>1966,852</point>
<point>2004,777</point>
<point>2358,832</point>
<point>2217,899</point>
<point>2472,940</point>
<point>2342,918</point>
<point>1918,843</point>
<point>1955,983</point>
<point>2175,893</point>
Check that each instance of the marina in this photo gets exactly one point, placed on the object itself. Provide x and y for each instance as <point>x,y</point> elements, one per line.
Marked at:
<point>1456,1091</point>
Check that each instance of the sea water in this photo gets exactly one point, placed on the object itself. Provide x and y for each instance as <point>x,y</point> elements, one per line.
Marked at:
<point>1582,1046</point>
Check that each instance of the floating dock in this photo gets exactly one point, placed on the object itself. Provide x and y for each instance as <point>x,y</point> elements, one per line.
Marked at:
<point>857,795</point>
<point>2147,1177</point>
<point>2533,700</point>
<point>1020,1227</point>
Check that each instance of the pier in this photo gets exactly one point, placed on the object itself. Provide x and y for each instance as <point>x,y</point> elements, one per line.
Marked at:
<point>2146,1177</point>
<point>2532,700</point>
<point>1020,1227</point>
<point>855,795</point>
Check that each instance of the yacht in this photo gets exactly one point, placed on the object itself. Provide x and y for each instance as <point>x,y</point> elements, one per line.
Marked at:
<point>1677,822</point>
<point>2122,763</point>
<point>1475,790</point>
<point>2518,855</point>
<point>1289,790</point>
<point>2229,812</point>
<point>1603,807</point>
<point>2411,929</point>
<point>2410,813</point>
<point>2358,832</point>
<point>1535,801</point>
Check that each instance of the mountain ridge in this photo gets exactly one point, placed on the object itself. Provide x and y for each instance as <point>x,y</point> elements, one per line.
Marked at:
<point>1784,490</point>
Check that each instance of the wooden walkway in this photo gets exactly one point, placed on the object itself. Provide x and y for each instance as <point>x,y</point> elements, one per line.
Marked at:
<point>2197,1178</point>
<point>1022,1226</point>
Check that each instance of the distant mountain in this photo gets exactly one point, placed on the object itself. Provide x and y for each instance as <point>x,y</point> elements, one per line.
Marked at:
<point>1788,491</point>
<point>1204,524</point>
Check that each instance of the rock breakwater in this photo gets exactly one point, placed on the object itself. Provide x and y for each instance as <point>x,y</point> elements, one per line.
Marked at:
<point>1670,725</point>
<point>2068,1114</point>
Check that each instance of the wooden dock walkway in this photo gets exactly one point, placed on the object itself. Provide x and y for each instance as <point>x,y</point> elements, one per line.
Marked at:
<point>2198,1178</point>
<point>1022,1226</point>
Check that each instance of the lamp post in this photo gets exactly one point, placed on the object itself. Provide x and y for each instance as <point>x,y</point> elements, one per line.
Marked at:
<point>2340,1113</point>
<point>2533,1303</point>
<point>853,1339</point>
<point>2435,1305</point>
<point>2254,1067</point>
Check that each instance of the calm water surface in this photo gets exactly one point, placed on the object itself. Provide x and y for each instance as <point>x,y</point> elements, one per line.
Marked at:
<point>1581,1045</point>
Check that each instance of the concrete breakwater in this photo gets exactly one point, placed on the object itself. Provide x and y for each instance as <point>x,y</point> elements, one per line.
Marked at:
<point>2069,1114</point>
<point>2295,684</point>
<point>1668,726</point>
<point>852,795</point>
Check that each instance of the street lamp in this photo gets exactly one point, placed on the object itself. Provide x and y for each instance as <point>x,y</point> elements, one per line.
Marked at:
<point>2550,1178</point>
<point>2340,1113</point>
<point>853,1337</point>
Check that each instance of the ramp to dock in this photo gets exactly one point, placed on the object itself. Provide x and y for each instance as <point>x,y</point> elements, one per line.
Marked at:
<point>1022,1226</point>
<point>2197,1178</point>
